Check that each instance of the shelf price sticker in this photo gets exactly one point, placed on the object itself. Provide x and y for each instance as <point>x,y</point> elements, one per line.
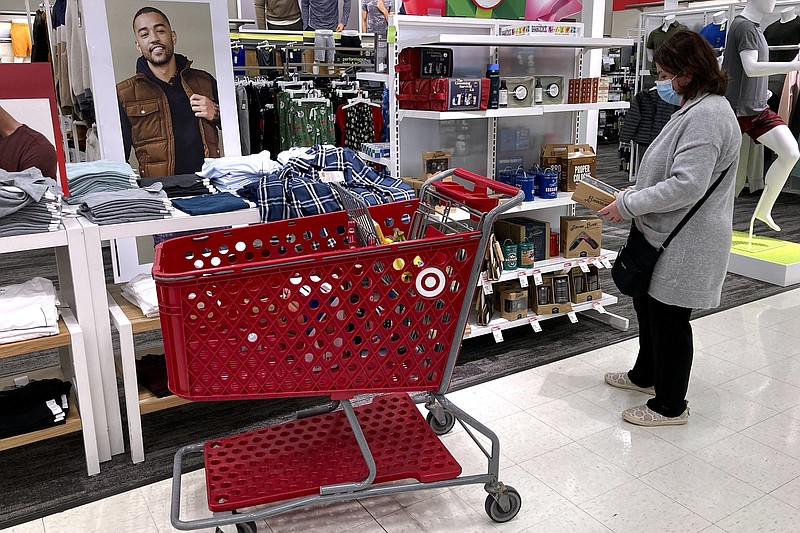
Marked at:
<point>498,333</point>
<point>597,306</point>
<point>567,266</point>
<point>597,263</point>
<point>537,327</point>
<point>537,277</point>
<point>606,262</point>
<point>486,284</point>
<point>523,279</point>
<point>573,317</point>
<point>583,266</point>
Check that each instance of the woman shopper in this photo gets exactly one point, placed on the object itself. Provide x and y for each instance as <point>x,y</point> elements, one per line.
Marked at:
<point>698,144</point>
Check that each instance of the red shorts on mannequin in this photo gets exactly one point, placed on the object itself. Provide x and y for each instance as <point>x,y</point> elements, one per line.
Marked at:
<point>757,125</point>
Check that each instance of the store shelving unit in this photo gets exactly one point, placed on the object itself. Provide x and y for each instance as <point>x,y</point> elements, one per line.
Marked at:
<point>480,41</point>
<point>110,308</point>
<point>128,320</point>
<point>385,161</point>
<point>70,342</point>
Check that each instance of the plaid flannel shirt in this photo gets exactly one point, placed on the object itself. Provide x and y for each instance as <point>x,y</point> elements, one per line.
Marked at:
<point>298,190</point>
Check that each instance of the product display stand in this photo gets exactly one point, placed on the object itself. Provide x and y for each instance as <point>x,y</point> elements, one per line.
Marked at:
<point>478,42</point>
<point>766,259</point>
<point>110,308</point>
<point>87,414</point>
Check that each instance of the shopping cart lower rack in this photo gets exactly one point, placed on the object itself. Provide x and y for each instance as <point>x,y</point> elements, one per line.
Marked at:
<point>297,308</point>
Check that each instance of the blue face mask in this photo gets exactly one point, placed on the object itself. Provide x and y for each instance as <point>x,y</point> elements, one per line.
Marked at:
<point>667,93</point>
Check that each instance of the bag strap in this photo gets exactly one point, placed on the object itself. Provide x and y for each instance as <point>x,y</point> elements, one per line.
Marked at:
<point>694,209</point>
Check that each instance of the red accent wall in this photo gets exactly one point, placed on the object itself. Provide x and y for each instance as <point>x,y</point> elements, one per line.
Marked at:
<point>619,5</point>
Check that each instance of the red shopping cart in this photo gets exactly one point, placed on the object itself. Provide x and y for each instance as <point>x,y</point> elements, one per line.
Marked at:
<point>298,308</point>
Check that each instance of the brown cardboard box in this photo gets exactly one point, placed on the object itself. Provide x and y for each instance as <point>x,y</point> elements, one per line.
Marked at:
<point>579,290</point>
<point>572,162</point>
<point>435,162</point>
<point>594,89</point>
<point>549,308</point>
<point>518,229</point>
<point>573,91</point>
<point>514,303</point>
<point>602,90</point>
<point>581,236</point>
<point>414,183</point>
<point>588,194</point>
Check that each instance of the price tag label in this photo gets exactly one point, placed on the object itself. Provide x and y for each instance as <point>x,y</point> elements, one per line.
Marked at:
<point>567,266</point>
<point>537,277</point>
<point>487,287</point>
<point>583,266</point>
<point>523,279</point>
<point>597,306</point>
<point>597,263</point>
<point>498,333</point>
<point>537,327</point>
<point>331,176</point>
<point>573,317</point>
<point>606,262</point>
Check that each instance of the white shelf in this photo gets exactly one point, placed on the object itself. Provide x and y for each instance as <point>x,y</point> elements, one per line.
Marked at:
<point>555,264</point>
<point>180,221</point>
<point>502,323</point>
<point>373,76</point>
<point>564,199</point>
<point>511,111</point>
<point>385,161</point>
<point>550,41</point>
<point>33,241</point>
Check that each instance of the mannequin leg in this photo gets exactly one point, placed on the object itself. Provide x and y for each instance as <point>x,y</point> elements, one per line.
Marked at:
<point>780,141</point>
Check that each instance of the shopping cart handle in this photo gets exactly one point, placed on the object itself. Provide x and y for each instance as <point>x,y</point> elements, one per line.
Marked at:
<point>483,181</point>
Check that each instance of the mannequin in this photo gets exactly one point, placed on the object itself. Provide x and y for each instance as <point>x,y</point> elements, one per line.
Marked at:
<point>669,26</point>
<point>785,31</point>
<point>747,93</point>
<point>788,14</point>
<point>714,32</point>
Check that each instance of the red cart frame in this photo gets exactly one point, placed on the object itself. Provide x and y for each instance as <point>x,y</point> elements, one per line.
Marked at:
<point>296,308</point>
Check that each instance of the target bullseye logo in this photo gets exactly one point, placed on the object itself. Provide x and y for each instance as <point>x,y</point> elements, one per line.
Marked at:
<point>430,282</point>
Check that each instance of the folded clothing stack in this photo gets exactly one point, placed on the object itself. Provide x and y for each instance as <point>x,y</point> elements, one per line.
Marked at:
<point>29,203</point>
<point>229,174</point>
<point>28,310</point>
<point>98,176</point>
<point>151,373</point>
<point>38,405</point>
<point>132,205</point>
<point>141,291</point>
<point>182,185</point>
<point>223,202</point>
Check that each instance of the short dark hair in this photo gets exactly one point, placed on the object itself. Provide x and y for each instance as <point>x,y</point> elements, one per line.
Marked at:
<point>146,10</point>
<point>687,52</point>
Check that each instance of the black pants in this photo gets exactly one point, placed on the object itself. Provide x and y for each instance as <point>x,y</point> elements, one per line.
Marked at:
<point>665,354</point>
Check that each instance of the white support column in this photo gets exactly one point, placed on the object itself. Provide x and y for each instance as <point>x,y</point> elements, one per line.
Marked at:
<point>593,18</point>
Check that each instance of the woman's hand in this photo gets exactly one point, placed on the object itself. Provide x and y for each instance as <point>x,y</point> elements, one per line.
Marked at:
<point>611,213</point>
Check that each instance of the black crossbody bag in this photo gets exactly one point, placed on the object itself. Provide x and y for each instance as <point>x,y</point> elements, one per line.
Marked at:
<point>637,258</point>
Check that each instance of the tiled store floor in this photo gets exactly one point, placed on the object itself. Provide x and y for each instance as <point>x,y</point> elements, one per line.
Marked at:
<point>579,467</point>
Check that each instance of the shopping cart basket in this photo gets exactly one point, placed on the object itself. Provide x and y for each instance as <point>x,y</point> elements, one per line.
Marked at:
<point>296,308</point>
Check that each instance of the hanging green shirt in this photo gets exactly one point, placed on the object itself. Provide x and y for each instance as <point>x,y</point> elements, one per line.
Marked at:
<point>658,36</point>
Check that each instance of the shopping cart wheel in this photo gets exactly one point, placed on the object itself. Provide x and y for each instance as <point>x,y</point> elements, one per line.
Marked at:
<point>441,429</point>
<point>496,512</point>
<point>244,527</point>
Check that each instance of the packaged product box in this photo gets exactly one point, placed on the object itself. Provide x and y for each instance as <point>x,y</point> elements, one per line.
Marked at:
<point>537,232</point>
<point>594,194</point>
<point>502,287</point>
<point>602,90</point>
<point>413,63</point>
<point>435,162</point>
<point>581,236</point>
<point>414,183</point>
<point>552,89</point>
<point>520,90</point>
<point>585,286</point>
<point>467,95</point>
<point>543,298</point>
<point>573,91</point>
<point>514,303</point>
<point>508,164</point>
<point>573,162</point>
<point>579,161</point>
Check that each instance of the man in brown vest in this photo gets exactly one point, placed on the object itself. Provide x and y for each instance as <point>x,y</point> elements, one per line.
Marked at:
<point>169,111</point>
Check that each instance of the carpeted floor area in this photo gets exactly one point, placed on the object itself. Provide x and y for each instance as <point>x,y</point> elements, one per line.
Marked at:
<point>49,476</point>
